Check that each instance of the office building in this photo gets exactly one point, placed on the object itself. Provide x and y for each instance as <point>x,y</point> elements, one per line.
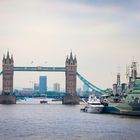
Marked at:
<point>85,88</point>
<point>42,84</point>
<point>56,87</point>
<point>36,87</point>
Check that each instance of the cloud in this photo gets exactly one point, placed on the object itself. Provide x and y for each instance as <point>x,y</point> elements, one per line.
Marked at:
<point>80,8</point>
<point>101,34</point>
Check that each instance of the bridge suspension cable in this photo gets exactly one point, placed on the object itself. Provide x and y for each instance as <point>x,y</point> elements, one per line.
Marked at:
<point>91,86</point>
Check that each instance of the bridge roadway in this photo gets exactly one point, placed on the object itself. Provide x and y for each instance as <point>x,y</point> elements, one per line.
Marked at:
<point>39,68</point>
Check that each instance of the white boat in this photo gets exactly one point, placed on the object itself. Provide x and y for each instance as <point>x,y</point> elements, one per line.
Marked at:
<point>94,105</point>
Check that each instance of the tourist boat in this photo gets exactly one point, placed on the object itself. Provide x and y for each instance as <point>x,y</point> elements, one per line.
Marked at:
<point>94,105</point>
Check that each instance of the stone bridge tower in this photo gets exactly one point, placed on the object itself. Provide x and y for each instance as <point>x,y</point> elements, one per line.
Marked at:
<point>7,96</point>
<point>71,69</point>
<point>7,65</point>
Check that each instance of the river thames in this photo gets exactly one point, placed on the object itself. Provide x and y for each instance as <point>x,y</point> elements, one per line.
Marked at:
<point>54,121</point>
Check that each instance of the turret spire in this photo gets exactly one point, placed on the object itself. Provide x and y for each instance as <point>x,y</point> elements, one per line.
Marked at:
<point>8,55</point>
<point>70,60</point>
<point>12,59</point>
<point>75,60</point>
<point>71,56</point>
<point>3,57</point>
<point>8,59</point>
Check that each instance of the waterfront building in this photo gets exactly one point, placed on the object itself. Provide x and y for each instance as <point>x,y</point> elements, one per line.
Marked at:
<point>36,87</point>
<point>79,91</point>
<point>42,84</point>
<point>56,87</point>
<point>85,88</point>
<point>27,91</point>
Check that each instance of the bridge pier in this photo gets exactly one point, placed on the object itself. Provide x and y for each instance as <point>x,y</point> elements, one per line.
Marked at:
<point>71,100</point>
<point>7,99</point>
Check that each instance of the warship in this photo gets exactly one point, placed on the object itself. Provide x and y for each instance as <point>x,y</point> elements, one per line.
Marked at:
<point>129,103</point>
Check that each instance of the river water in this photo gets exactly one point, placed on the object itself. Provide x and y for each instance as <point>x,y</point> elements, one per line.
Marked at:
<point>54,121</point>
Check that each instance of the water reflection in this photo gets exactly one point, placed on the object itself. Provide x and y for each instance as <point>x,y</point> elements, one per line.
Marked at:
<point>56,121</point>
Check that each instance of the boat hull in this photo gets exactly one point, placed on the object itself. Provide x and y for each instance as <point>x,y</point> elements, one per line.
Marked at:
<point>93,109</point>
<point>43,102</point>
<point>122,109</point>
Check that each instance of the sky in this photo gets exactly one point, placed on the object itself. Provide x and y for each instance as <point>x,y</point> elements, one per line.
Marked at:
<point>103,34</point>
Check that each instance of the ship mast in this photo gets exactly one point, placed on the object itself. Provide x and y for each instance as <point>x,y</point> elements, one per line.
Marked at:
<point>118,84</point>
<point>134,71</point>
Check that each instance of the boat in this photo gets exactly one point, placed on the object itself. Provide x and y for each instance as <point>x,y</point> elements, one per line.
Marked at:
<point>130,101</point>
<point>43,102</point>
<point>93,105</point>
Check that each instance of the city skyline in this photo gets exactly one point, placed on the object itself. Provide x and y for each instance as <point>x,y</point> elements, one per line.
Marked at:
<point>104,36</point>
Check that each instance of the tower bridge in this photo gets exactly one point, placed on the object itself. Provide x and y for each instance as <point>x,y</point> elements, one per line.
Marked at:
<point>70,70</point>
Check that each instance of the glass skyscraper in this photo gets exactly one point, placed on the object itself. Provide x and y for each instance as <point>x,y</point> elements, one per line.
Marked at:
<point>42,84</point>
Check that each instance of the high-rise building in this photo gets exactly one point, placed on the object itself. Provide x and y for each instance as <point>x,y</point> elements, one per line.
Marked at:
<point>42,84</point>
<point>56,87</point>
<point>36,87</point>
<point>85,88</point>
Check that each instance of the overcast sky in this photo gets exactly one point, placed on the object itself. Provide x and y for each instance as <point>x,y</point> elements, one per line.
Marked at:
<point>103,34</point>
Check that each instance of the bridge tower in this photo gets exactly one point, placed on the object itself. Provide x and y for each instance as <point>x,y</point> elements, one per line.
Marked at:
<point>8,64</point>
<point>7,91</point>
<point>71,70</point>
